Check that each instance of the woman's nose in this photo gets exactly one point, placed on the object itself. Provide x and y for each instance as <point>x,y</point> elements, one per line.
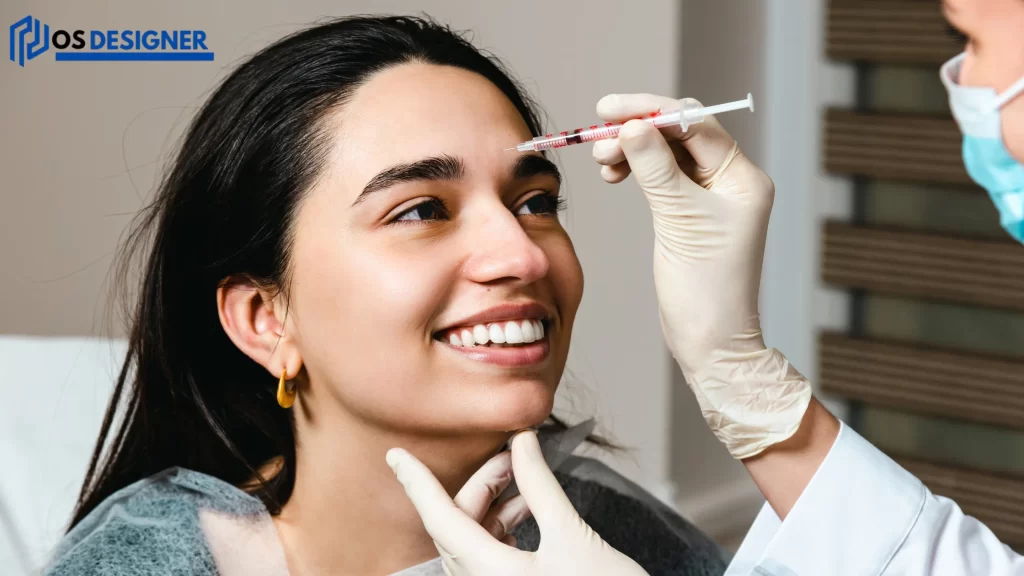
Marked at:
<point>503,252</point>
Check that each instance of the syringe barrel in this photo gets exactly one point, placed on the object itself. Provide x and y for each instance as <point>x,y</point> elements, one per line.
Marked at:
<point>577,136</point>
<point>690,112</point>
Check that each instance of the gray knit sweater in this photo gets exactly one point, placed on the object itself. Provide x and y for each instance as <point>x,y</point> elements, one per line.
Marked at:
<point>184,522</point>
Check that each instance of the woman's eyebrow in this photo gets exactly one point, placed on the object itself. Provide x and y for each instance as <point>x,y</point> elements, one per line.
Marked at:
<point>532,165</point>
<point>442,167</point>
<point>447,167</point>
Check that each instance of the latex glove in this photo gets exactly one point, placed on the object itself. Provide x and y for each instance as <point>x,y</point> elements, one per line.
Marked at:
<point>710,205</point>
<point>476,497</point>
<point>568,545</point>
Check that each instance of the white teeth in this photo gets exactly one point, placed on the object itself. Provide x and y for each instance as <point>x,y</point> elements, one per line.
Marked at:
<point>513,333</point>
<point>480,334</point>
<point>529,334</point>
<point>501,333</point>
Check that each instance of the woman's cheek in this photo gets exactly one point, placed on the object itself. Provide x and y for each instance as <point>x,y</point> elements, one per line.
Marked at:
<point>567,273</point>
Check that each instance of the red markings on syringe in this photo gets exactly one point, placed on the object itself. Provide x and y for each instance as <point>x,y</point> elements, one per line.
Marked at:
<point>577,136</point>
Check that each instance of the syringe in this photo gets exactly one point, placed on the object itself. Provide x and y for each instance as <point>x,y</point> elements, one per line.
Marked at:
<point>689,113</point>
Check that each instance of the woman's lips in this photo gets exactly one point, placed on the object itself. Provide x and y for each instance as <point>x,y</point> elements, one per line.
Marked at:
<point>513,356</point>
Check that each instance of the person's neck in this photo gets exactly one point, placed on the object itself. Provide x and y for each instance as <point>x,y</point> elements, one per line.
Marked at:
<point>347,513</point>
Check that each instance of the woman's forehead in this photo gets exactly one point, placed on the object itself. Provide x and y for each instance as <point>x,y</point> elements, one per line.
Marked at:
<point>416,110</point>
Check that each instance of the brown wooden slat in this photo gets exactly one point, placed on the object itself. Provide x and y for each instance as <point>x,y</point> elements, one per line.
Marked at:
<point>971,271</point>
<point>888,31</point>
<point>996,500</point>
<point>894,147</point>
<point>949,384</point>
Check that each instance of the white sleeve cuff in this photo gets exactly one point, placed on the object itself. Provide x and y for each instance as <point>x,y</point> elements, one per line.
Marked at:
<point>852,517</point>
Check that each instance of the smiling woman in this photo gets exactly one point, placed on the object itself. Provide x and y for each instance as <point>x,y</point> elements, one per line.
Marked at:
<point>337,229</point>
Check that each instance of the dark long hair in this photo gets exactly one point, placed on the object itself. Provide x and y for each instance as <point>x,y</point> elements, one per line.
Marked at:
<point>186,395</point>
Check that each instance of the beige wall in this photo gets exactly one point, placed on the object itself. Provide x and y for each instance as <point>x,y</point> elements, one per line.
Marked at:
<point>721,59</point>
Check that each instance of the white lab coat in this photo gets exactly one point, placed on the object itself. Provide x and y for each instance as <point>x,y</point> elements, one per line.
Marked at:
<point>864,515</point>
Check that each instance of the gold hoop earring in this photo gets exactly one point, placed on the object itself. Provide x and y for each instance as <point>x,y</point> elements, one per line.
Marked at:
<point>285,396</point>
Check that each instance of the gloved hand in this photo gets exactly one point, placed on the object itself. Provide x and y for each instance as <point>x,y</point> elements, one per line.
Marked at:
<point>567,546</point>
<point>711,206</point>
<point>476,498</point>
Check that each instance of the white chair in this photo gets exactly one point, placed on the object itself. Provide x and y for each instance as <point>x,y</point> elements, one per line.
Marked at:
<point>50,414</point>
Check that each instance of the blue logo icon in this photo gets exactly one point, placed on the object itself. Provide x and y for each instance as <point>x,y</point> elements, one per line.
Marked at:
<point>29,38</point>
<point>19,30</point>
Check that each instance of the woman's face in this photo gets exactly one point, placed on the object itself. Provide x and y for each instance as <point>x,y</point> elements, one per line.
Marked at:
<point>994,55</point>
<point>422,227</point>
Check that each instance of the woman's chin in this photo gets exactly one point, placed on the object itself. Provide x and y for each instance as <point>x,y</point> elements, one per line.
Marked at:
<point>520,405</point>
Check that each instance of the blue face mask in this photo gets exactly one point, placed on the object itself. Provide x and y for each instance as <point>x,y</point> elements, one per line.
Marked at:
<point>988,162</point>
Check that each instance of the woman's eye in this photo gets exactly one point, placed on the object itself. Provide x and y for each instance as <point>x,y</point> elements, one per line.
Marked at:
<point>433,209</point>
<point>541,204</point>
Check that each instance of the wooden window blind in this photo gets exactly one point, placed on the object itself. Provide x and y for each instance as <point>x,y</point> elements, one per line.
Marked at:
<point>892,143</point>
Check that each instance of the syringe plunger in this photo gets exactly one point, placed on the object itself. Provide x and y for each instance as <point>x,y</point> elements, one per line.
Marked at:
<point>694,113</point>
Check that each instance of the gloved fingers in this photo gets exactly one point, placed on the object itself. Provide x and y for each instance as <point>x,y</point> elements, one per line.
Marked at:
<point>708,179</point>
<point>683,158</point>
<point>554,513</point>
<point>504,517</point>
<point>476,496</point>
<point>615,174</point>
<point>707,142</point>
<point>709,145</point>
<point>624,107</point>
<point>650,157</point>
<point>608,152</point>
<point>455,534</point>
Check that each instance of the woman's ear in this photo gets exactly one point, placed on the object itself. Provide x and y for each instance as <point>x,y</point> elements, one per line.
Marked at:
<point>258,326</point>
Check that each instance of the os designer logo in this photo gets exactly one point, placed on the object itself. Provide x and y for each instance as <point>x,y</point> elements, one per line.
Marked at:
<point>19,30</point>
<point>29,38</point>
